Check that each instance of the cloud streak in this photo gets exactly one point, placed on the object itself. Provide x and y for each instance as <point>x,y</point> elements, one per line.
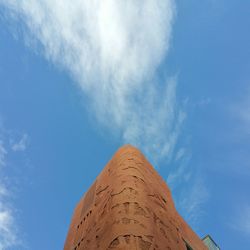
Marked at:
<point>3,153</point>
<point>7,229</point>
<point>241,222</point>
<point>113,50</point>
<point>20,145</point>
<point>188,188</point>
<point>241,111</point>
<point>8,237</point>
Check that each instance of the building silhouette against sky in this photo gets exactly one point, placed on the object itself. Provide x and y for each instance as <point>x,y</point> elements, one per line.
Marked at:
<point>129,207</point>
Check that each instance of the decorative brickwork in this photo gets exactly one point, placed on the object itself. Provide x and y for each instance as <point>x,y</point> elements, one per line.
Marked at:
<point>129,207</point>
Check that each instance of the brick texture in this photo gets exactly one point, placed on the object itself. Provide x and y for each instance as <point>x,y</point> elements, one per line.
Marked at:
<point>129,207</point>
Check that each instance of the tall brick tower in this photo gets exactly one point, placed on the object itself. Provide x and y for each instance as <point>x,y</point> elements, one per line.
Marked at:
<point>129,207</point>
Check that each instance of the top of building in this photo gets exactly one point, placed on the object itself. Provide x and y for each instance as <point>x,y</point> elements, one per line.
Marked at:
<point>129,206</point>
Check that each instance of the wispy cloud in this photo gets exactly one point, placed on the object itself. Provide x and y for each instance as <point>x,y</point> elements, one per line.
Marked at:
<point>9,233</point>
<point>240,110</point>
<point>3,153</point>
<point>113,50</point>
<point>182,171</point>
<point>242,220</point>
<point>188,188</point>
<point>192,199</point>
<point>7,227</point>
<point>20,145</point>
<point>8,236</point>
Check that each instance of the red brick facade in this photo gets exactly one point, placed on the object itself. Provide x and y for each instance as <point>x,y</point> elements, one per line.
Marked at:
<point>129,207</point>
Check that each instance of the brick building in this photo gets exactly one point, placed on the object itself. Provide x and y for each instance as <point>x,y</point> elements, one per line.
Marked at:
<point>128,207</point>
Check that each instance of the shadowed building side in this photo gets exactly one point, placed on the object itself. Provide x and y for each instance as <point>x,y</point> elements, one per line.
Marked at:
<point>129,206</point>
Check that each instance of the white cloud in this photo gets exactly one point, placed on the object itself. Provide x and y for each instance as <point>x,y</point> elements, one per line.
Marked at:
<point>21,145</point>
<point>242,220</point>
<point>113,50</point>
<point>203,102</point>
<point>188,188</point>
<point>7,228</point>
<point>240,110</point>
<point>245,223</point>
<point>181,173</point>
<point>192,199</point>
<point>180,154</point>
<point>3,153</point>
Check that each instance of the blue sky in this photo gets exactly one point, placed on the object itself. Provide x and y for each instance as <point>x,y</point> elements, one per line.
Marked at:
<point>78,81</point>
